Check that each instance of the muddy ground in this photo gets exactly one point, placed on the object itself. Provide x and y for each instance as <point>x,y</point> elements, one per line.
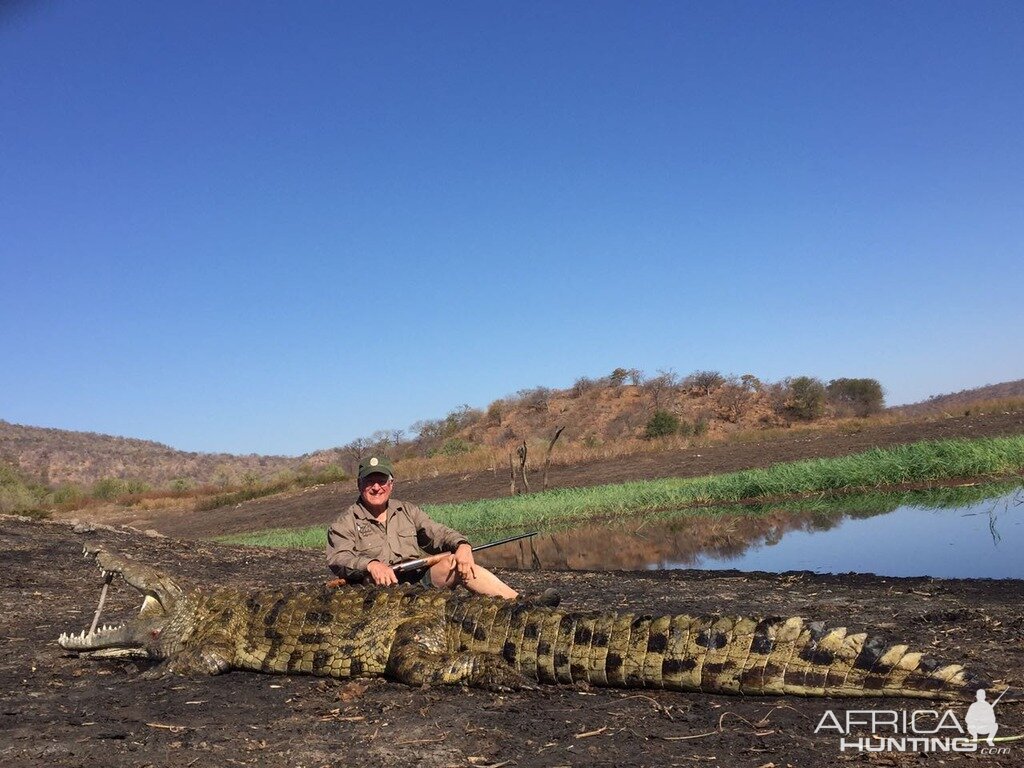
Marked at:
<point>56,709</point>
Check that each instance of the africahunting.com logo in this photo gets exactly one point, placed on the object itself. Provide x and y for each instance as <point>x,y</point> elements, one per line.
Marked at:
<point>918,730</point>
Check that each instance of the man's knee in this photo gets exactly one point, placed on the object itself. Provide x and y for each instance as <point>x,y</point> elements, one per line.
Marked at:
<point>442,577</point>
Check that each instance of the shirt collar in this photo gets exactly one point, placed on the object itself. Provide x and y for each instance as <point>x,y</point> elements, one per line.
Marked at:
<point>363,512</point>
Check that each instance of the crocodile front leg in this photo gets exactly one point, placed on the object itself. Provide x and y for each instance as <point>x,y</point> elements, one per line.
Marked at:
<point>205,660</point>
<point>419,657</point>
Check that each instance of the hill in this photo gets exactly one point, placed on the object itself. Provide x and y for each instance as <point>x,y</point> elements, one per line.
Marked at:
<point>56,456</point>
<point>623,413</point>
<point>957,402</point>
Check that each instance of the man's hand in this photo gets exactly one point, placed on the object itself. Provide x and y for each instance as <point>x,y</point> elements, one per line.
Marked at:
<point>381,574</point>
<point>462,562</point>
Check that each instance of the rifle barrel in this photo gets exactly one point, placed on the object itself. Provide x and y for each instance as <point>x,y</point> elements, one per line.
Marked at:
<point>504,541</point>
<point>411,565</point>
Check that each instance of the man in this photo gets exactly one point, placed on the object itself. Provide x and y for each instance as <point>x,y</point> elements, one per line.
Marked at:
<point>377,531</point>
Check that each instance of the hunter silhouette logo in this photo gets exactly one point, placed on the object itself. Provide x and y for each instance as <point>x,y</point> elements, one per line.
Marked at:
<point>919,730</point>
<point>981,718</point>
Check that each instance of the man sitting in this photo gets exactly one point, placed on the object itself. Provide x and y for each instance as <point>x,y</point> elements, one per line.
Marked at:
<point>378,531</point>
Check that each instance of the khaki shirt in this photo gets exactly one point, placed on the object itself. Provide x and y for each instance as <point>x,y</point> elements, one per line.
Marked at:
<point>355,538</point>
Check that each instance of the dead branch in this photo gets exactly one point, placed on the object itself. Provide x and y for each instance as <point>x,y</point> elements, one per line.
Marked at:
<point>521,450</point>
<point>547,459</point>
<point>512,475</point>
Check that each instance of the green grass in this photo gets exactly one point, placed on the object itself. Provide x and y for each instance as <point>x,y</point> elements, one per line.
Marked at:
<point>877,468</point>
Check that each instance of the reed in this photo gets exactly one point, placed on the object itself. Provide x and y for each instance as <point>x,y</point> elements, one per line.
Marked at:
<point>878,468</point>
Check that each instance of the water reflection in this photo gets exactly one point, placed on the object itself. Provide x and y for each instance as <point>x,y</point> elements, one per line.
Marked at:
<point>973,531</point>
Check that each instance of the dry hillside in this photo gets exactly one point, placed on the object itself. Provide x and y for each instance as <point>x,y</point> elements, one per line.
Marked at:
<point>54,456</point>
<point>958,401</point>
<point>613,414</point>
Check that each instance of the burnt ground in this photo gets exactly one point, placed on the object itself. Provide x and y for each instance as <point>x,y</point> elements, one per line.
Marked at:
<point>56,709</point>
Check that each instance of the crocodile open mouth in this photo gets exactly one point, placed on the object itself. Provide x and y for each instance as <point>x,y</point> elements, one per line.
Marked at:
<point>110,639</point>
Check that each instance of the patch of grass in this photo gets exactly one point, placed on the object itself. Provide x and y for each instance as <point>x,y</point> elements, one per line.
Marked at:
<point>288,538</point>
<point>256,490</point>
<point>877,468</point>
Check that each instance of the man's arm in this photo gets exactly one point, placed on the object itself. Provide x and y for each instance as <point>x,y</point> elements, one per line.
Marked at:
<point>342,557</point>
<point>441,538</point>
<point>433,536</point>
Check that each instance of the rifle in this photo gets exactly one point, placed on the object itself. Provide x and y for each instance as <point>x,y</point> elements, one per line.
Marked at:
<point>427,562</point>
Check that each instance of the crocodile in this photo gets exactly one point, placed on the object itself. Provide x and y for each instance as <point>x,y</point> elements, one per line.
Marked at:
<point>428,637</point>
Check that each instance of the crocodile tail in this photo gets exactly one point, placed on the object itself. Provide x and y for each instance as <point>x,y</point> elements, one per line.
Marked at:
<point>717,654</point>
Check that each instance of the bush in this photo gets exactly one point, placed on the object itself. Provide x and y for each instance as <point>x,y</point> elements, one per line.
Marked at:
<point>495,412</point>
<point>806,398</point>
<point>661,424</point>
<point>581,386</point>
<point>329,473</point>
<point>109,488</point>
<point>68,494</point>
<point>455,447</point>
<point>17,496</point>
<point>861,397</point>
<point>694,428</point>
<point>17,500</point>
<point>537,398</point>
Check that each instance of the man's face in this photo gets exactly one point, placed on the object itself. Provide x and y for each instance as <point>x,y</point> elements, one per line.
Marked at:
<point>375,489</point>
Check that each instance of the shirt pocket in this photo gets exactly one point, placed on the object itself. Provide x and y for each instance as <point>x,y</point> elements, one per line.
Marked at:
<point>408,547</point>
<point>369,542</point>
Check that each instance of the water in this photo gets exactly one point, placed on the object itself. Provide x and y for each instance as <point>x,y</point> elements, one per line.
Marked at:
<point>951,533</point>
<point>983,540</point>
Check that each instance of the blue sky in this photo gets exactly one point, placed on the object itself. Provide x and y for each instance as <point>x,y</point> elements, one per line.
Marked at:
<point>273,228</point>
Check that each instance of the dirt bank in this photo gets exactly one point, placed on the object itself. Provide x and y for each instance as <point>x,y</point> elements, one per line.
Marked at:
<point>59,710</point>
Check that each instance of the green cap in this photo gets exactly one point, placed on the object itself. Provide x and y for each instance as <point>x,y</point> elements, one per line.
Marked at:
<point>372,464</point>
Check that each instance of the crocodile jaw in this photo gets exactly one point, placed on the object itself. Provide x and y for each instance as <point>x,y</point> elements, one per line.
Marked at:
<point>133,638</point>
<point>106,641</point>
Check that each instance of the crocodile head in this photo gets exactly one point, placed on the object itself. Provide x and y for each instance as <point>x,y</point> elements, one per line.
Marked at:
<point>147,635</point>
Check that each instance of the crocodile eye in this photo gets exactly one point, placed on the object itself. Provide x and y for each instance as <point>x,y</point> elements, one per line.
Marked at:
<point>155,633</point>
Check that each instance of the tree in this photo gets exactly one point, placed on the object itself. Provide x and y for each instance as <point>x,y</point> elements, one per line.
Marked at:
<point>661,386</point>
<point>751,383</point>
<point>705,382</point>
<point>618,377</point>
<point>859,396</point>
<point>733,401</point>
<point>357,449</point>
<point>582,385</point>
<point>806,397</point>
